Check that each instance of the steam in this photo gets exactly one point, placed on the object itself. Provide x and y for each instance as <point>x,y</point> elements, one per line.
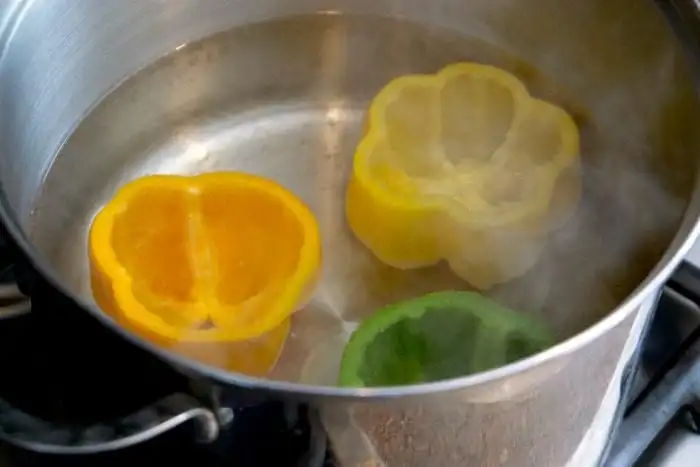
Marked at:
<point>634,140</point>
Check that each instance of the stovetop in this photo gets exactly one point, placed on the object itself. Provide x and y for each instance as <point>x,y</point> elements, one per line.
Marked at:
<point>75,382</point>
<point>677,377</point>
<point>660,404</point>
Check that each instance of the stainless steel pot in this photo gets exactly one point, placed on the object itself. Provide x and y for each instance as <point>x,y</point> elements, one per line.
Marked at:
<point>283,93</point>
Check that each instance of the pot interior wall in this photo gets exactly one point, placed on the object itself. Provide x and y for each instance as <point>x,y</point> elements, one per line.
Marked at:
<point>285,97</point>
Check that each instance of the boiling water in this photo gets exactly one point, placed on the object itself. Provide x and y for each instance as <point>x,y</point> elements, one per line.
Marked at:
<point>286,100</point>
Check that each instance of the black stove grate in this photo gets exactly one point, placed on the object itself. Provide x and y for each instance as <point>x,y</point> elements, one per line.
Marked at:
<point>669,367</point>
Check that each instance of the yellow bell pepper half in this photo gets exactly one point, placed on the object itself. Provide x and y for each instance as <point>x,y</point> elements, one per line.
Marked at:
<point>219,257</point>
<point>463,166</point>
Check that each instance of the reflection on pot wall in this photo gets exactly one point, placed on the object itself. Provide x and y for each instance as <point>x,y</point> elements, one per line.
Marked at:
<point>496,425</point>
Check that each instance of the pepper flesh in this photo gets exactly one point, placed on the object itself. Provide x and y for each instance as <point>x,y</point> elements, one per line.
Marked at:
<point>221,259</point>
<point>463,166</point>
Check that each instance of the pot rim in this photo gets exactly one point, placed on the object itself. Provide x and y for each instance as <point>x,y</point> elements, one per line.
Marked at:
<point>684,239</point>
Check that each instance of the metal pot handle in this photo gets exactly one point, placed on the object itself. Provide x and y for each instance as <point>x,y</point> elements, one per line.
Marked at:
<point>31,433</point>
<point>12,302</point>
